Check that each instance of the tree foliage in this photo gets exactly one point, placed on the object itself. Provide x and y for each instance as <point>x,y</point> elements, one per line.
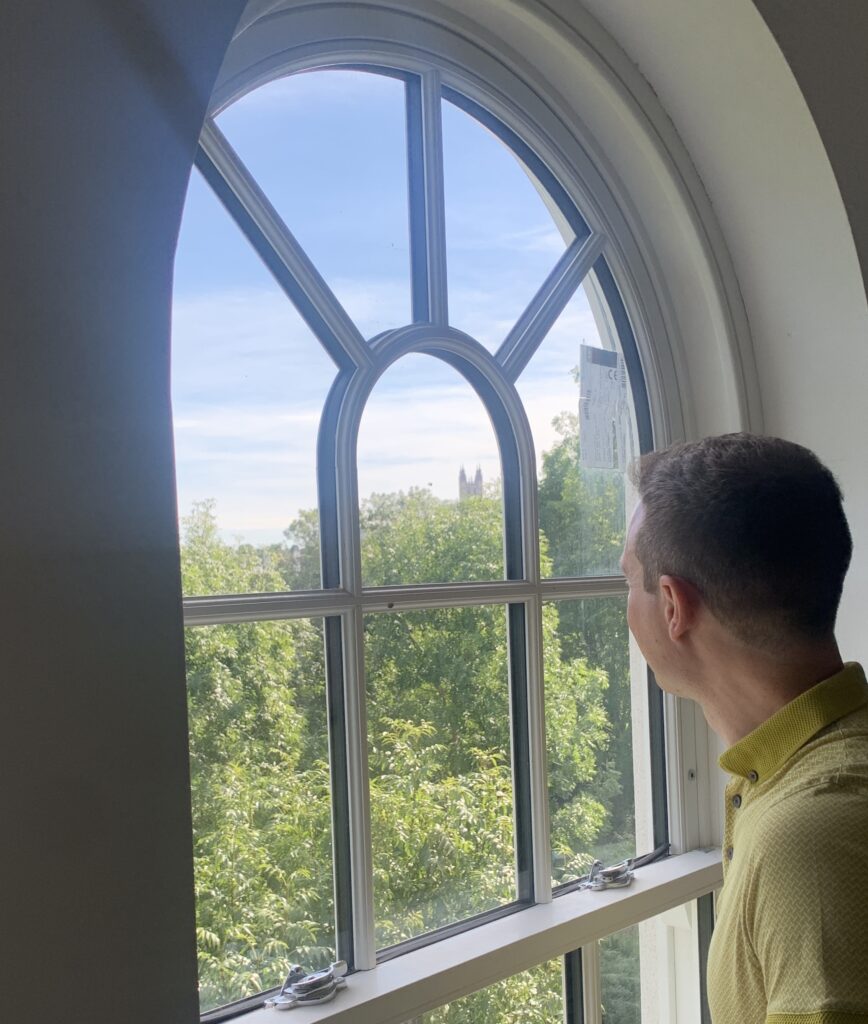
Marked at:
<point>438,726</point>
<point>583,523</point>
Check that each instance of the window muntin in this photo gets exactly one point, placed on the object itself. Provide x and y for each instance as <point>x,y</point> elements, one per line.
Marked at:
<point>360,364</point>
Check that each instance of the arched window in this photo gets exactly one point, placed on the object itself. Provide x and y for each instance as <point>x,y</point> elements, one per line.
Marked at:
<point>406,387</point>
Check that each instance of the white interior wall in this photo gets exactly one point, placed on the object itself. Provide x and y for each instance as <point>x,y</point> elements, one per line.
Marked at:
<point>101,105</point>
<point>734,101</point>
<point>825,46</point>
<point>718,127</point>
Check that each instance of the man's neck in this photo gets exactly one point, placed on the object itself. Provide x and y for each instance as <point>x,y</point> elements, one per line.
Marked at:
<point>744,688</point>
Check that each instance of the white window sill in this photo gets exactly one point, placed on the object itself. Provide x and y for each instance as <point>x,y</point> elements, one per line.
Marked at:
<point>404,988</point>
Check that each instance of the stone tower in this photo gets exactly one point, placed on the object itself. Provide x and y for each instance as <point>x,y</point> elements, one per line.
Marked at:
<point>470,488</point>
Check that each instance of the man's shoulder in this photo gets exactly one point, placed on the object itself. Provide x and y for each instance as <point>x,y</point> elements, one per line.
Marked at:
<point>803,841</point>
<point>818,811</point>
<point>833,760</point>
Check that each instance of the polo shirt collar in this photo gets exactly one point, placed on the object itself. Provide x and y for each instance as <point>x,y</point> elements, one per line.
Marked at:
<point>759,754</point>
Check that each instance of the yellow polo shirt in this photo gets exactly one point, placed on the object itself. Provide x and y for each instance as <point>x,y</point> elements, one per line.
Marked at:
<point>790,943</point>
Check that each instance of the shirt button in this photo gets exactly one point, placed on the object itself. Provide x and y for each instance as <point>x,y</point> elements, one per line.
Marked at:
<point>729,852</point>
<point>752,775</point>
<point>736,800</point>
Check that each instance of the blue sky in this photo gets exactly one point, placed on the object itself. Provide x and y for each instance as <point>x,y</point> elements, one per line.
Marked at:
<point>248,377</point>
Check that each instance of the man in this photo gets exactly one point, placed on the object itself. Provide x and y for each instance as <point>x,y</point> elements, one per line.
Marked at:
<point>735,561</point>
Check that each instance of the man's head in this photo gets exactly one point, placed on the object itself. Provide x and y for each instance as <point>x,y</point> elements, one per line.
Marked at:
<point>749,528</point>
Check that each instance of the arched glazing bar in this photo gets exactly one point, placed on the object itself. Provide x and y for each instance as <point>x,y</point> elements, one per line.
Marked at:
<point>344,408</point>
<point>339,529</point>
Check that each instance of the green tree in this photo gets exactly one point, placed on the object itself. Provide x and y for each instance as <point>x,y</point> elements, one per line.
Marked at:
<point>259,779</point>
<point>448,667</point>
<point>438,724</point>
<point>583,523</point>
<point>535,995</point>
<point>619,977</point>
<point>582,512</point>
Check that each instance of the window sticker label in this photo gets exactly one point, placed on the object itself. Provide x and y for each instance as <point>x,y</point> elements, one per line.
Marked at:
<point>603,409</point>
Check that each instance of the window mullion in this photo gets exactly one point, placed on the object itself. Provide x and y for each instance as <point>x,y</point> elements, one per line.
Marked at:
<point>574,999</point>
<point>523,796</point>
<point>592,989</point>
<point>705,929</point>
<point>537,758</point>
<point>340,794</point>
<point>361,850</point>
<point>417,203</point>
<point>342,439</point>
<point>435,202</point>
<point>547,305</point>
<point>521,561</point>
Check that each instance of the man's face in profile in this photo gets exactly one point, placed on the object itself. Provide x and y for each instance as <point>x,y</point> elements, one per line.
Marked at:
<point>645,614</point>
<point>639,601</point>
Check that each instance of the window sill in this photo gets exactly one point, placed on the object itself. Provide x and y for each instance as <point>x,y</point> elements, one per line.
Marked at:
<point>412,984</point>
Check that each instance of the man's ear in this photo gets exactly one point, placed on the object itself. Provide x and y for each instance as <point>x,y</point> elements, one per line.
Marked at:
<point>681,603</point>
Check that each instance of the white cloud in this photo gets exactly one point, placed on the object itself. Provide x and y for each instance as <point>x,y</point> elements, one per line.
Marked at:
<point>422,438</point>
<point>375,305</point>
<point>469,236</point>
<point>230,421</point>
<point>249,382</point>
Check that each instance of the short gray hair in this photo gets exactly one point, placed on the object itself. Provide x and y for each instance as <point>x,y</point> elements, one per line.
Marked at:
<point>756,524</point>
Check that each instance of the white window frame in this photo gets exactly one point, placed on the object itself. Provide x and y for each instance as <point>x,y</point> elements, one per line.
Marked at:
<point>292,38</point>
<point>404,988</point>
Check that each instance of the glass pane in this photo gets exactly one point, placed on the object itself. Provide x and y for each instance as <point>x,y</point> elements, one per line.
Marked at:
<point>619,977</point>
<point>248,385</point>
<point>261,797</point>
<point>501,240</point>
<point>589,734</point>
<point>650,972</point>
<point>329,150</point>
<point>581,506</point>
<point>439,749</point>
<point>532,997</point>
<point>429,480</point>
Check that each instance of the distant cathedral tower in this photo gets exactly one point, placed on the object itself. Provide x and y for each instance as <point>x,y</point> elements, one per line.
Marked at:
<point>469,488</point>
